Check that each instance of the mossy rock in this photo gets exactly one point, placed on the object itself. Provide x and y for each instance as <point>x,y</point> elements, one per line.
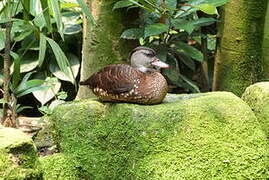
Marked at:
<point>257,97</point>
<point>201,136</point>
<point>18,156</point>
<point>59,166</point>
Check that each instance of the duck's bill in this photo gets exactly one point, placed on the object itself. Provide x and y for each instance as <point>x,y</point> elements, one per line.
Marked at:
<point>159,63</point>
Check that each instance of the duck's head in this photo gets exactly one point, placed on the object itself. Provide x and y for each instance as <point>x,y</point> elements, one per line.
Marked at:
<point>144,59</point>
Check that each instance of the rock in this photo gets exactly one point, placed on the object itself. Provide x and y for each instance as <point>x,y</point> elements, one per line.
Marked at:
<point>257,97</point>
<point>18,156</point>
<point>59,166</point>
<point>201,136</point>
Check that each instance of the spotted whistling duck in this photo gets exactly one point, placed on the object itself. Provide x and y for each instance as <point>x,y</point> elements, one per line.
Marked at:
<point>138,83</point>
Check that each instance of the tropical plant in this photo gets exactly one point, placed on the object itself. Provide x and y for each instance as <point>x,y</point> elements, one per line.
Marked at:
<point>36,35</point>
<point>173,28</point>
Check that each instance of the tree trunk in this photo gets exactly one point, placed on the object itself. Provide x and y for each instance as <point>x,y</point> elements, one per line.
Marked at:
<point>265,48</point>
<point>101,43</point>
<point>6,119</point>
<point>238,57</point>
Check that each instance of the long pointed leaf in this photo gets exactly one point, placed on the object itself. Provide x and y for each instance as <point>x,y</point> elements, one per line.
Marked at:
<point>86,11</point>
<point>16,72</point>
<point>42,49</point>
<point>54,4</point>
<point>61,59</point>
<point>29,84</point>
<point>45,7</point>
<point>30,90</point>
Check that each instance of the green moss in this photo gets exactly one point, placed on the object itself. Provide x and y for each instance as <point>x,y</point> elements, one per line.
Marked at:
<point>257,97</point>
<point>201,136</point>
<point>60,167</point>
<point>18,159</point>
<point>239,49</point>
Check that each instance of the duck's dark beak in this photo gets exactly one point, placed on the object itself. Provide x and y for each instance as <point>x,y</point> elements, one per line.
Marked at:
<point>157,62</point>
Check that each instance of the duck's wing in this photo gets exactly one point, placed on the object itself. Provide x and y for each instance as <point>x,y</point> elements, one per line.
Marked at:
<point>114,79</point>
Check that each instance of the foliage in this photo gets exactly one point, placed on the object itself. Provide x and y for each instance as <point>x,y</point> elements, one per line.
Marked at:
<point>41,33</point>
<point>172,27</point>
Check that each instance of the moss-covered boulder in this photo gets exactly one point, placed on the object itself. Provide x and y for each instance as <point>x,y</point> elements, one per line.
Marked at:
<point>59,166</point>
<point>201,136</point>
<point>257,97</point>
<point>18,158</point>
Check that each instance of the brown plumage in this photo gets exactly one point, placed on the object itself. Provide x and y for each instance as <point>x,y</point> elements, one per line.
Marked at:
<point>136,84</point>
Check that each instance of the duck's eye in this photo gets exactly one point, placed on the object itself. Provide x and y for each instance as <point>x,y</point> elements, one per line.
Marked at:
<point>149,54</point>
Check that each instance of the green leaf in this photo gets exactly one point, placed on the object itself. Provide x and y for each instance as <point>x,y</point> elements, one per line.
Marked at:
<point>42,49</point>
<point>28,84</point>
<point>207,8</point>
<point>122,4</point>
<point>216,3</point>
<point>2,39</point>
<point>2,101</point>
<point>189,84</point>
<point>133,33</point>
<point>183,24</point>
<point>61,59</point>
<point>155,29</point>
<point>43,96</point>
<point>187,60</point>
<point>203,21</point>
<point>86,11</point>
<point>26,9</point>
<point>74,64</point>
<point>173,71</point>
<point>32,90</point>
<point>21,108</point>
<point>46,14</point>
<point>54,4</point>
<point>190,51</point>
<point>16,73</point>
<point>171,4</point>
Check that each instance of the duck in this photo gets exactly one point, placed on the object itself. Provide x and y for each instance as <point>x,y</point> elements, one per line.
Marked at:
<point>140,83</point>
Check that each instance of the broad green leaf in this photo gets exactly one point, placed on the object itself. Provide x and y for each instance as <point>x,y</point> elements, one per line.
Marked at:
<point>42,49</point>
<point>183,24</point>
<point>55,103</point>
<point>28,84</point>
<point>29,62</point>
<point>171,4</point>
<point>190,51</point>
<point>86,11</point>
<point>46,14</point>
<point>71,22</point>
<point>2,101</point>
<point>32,90</point>
<point>23,35</point>
<point>43,96</point>
<point>122,4</point>
<point>74,63</point>
<point>189,84</point>
<point>16,74</point>
<point>133,33</point>
<point>187,60</point>
<point>155,29</point>
<point>26,9</point>
<point>70,29</point>
<point>54,4</point>
<point>173,71</point>
<point>203,21</point>
<point>216,3</point>
<point>24,79</point>
<point>207,8</point>
<point>61,59</point>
